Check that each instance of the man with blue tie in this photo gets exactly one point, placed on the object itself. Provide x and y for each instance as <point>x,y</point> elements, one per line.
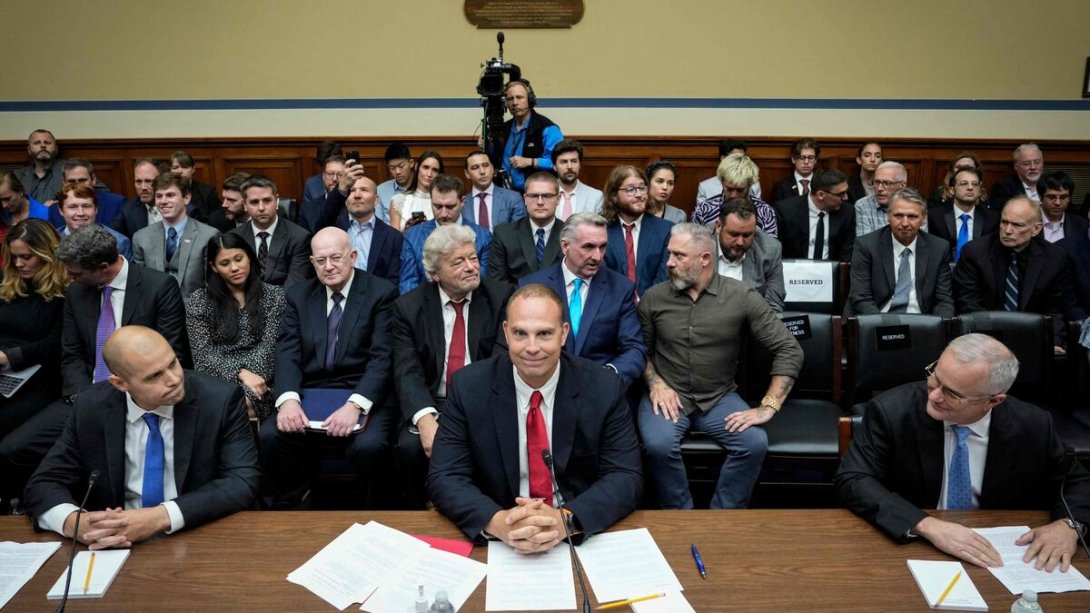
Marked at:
<point>533,242</point>
<point>172,449</point>
<point>965,219</point>
<point>959,442</point>
<point>487,204</point>
<point>601,302</point>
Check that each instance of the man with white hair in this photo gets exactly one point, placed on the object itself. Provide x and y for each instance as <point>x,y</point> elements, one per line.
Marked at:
<point>1029,167</point>
<point>959,442</point>
<point>872,212</point>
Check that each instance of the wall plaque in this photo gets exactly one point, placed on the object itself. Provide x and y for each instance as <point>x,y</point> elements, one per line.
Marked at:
<point>523,14</point>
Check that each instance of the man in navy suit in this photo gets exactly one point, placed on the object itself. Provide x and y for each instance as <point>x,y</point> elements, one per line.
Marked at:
<point>601,306</point>
<point>488,473</point>
<point>335,335</point>
<point>499,205</point>
<point>637,242</point>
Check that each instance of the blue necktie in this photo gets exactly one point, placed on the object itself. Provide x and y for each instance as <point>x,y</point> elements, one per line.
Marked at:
<point>575,308</point>
<point>152,492</point>
<point>1010,291</point>
<point>540,244</point>
<point>959,485</point>
<point>334,322</point>
<point>172,242</point>
<point>963,234</point>
<point>903,288</point>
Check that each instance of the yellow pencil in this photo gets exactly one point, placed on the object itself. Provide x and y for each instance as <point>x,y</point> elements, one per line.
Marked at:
<point>90,567</point>
<point>946,592</point>
<point>621,603</point>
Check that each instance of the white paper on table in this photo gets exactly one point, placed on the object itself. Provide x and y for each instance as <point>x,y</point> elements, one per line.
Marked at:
<point>521,582</point>
<point>354,564</point>
<point>673,602</point>
<point>1018,576</point>
<point>19,562</point>
<point>626,564</point>
<point>436,570</point>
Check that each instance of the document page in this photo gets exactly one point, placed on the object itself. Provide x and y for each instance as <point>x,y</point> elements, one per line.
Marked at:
<point>626,564</point>
<point>436,570</point>
<point>19,562</point>
<point>1018,576</point>
<point>521,582</point>
<point>673,602</point>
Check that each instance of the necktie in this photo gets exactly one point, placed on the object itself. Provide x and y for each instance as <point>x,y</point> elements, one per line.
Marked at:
<point>904,284</point>
<point>106,325</point>
<point>456,356</point>
<point>263,248</point>
<point>172,243</point>
<point>959,485</point>
<point>819,238</point>
<point>537,439</point>
<point>334,322</point>
<point>539,246</point>
<point>963,234</point>
<point>805,186</point>
<point>575,307</point>
<point>151,494</point>
<point>1010,293</point>
<point>482,212</point>
<point>630,251</point>
<point>566,213</point>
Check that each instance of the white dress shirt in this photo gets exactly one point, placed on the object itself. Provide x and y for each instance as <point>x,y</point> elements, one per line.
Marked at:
<point>978,455</point>
<point>958,223</point>
<point>475,202</point>
<point>913,299</point>
<point>635,235</point>
<point>271,230</point>
<point>522,398</point>
<point>732,270</point>
<point>798,182</point>
<point>449,318</point>
<point>813,230</point>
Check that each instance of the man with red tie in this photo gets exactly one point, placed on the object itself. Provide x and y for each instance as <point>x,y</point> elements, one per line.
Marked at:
<point>438,328</point>
<point>488,472</point>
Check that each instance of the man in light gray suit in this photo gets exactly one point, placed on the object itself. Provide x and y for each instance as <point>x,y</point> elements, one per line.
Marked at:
<point>749,255</point>
<point>575,196</point>
<point>499,205</point>
<point>177,244</point>
<point>898,269</point>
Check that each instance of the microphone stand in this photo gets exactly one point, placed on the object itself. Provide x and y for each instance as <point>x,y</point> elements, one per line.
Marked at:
<point>75,539</point>
<point>547,457</point>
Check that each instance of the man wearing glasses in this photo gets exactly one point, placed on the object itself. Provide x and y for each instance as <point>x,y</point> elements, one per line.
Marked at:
<point>959,442</point>
<point>1029,167</point>
<point>872,212</point>
<point>804,156</point>
<point>963,220</point>
<point>532,242</point>
<point>817,226</point>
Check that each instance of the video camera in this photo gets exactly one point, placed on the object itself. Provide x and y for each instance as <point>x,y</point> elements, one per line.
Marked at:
<point>490,89</point>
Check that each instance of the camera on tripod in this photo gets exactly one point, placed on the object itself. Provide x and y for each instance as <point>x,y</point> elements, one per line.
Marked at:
<point>491,90</point>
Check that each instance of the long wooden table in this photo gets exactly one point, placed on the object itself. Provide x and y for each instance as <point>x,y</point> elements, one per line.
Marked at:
<point>757,560</point>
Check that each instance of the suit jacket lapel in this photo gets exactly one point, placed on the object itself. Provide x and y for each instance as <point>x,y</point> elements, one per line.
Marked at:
<point>113,430</point>
<point>595,294</point>
<point>378,239</point>
<point>433,316</point>
<point>185,427</point>
<point>318,328</point>
<point>132,294</point>
<point>885,250</point>
<point>1032,274</point>
<point>565,415</point>
<point>505,414</point>
<point>524,231</point>
<point>952,226</point>
<point>929,438</point>
<point>185,247</point>
<point>997,468</point>
<point>552,246</point>
<point>477,326</point>
<point>923,253</point>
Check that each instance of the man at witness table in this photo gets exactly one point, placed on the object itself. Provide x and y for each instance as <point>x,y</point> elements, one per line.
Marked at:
<point>173,450</point>
<point>960,442</point>
<point>487,472</point>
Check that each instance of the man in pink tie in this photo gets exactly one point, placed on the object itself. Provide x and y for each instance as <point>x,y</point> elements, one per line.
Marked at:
<point>488,205</point>
<point>575,196</point>
<point>515,420</point>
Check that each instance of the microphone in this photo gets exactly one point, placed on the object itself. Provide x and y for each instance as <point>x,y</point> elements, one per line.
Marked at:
<point>547,457</point>
<point>75,539</point>
<point>499,39</point>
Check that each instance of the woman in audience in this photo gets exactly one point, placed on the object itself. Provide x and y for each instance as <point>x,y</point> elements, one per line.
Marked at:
<point>414,206</point>
<point>234,320</point>
<point>944,193</point>
<point>31,312</point>
<point>662,175</point>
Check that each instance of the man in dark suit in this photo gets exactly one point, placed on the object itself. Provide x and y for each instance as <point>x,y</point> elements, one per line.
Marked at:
<point>533,242</point>
<point>232,213</point>
<point>282,247</point>
<point>965,219</point>
<point>1010,271</point>
<point>805,153</point>
<point>151,417</point>
<point>1029,166</point>
<point>601,310</point>
<point>107,292</point>
<point>1055,200</point>
<point>488,473</point>
<point>499,205</point>
<point>899,269</point>
<point>335,335</point>
<point>818,226</point>
<point>747,254</point>
<point>1077,247</point>
<point>960,442</point>
<point>318,212</point>
<point>637,242</point>
<point>435,333</point>
<point>139,211</point>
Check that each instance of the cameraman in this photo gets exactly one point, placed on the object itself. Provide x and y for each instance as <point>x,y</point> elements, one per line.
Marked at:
<point>528,137</point>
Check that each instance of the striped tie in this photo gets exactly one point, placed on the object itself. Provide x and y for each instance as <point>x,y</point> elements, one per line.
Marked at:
<point>1010,292</point>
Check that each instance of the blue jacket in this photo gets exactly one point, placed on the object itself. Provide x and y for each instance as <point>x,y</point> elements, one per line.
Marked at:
<point>412,253</point>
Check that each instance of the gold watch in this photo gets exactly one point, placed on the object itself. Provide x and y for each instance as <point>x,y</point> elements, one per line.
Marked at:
<point>770,402</point>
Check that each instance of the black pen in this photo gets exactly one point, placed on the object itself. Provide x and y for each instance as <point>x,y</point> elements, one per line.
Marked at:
<point>699,562</point>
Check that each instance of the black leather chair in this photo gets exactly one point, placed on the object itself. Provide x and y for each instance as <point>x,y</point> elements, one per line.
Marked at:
<point>887,350</point>
<point>288,209</point>
<point>1030,337</point>
<point>839,274</point>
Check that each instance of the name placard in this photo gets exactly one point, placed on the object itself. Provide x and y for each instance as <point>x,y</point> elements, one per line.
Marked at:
<point>893,337</point>
<point>523,14</point>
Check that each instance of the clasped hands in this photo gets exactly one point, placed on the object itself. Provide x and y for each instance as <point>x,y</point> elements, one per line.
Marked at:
<point>118,528</point>
<point>1051,544</point>
<point>666,402</point>
<point>530,527</point>
<point>291,418</point>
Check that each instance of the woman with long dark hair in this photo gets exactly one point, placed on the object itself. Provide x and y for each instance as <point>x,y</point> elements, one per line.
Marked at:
<point>234,320</point>
<point>661,176</point>
<point>414,206</point>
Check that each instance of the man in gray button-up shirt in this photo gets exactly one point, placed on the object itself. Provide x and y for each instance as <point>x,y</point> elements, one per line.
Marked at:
<point>693,329</point>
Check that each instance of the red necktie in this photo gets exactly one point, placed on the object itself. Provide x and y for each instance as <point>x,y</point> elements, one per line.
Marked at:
<point>482,212</point>
<point>456,357</point>
<point>630,251</point>
<point>537,440</point>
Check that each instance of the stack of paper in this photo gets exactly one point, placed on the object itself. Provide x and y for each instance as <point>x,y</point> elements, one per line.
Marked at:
<point>18,564</point>
<point>521,582</point>
<point>107,564</point>
<point>1018,576</point>
<point>629,564</point>
<point>935,578</point>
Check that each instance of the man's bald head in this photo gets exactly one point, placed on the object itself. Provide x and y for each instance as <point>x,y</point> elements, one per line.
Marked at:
<point>329,238</point>
<point>333,257</point>
<point>128,345</point>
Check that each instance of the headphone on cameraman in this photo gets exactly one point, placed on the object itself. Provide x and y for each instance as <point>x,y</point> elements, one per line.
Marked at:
<point>531,98</point>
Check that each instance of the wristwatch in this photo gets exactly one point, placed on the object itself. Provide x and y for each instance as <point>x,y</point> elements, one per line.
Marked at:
<point>1077,526</point>
<point>770,402</point>
<point>357,405</point>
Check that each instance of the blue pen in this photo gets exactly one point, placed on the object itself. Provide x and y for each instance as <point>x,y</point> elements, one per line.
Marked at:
<point>699,562</point>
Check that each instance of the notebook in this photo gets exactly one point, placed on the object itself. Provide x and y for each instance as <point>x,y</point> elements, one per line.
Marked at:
<point>108,563</point>
<point>320,403</point>
<point>10,382</point>
<point>933,577</point>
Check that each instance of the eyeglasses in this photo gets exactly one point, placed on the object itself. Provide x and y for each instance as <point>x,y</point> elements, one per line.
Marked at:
<point>632,191</point>
<point>839,195</point>
<point>887,184</point>
<point>947,393</point>
<point>333,259</point>
<point>333,175</point>
<point>541,197</point>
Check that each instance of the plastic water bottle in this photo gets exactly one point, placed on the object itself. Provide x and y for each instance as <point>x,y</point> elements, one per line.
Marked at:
<point>441,604</point>
<point>1027,603</point>
<point>421,605</point>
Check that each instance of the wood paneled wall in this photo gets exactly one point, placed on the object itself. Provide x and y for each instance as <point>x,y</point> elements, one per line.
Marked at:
<point>289,161</point>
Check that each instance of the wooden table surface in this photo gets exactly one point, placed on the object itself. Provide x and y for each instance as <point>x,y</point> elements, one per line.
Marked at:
<point>757,560</point>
